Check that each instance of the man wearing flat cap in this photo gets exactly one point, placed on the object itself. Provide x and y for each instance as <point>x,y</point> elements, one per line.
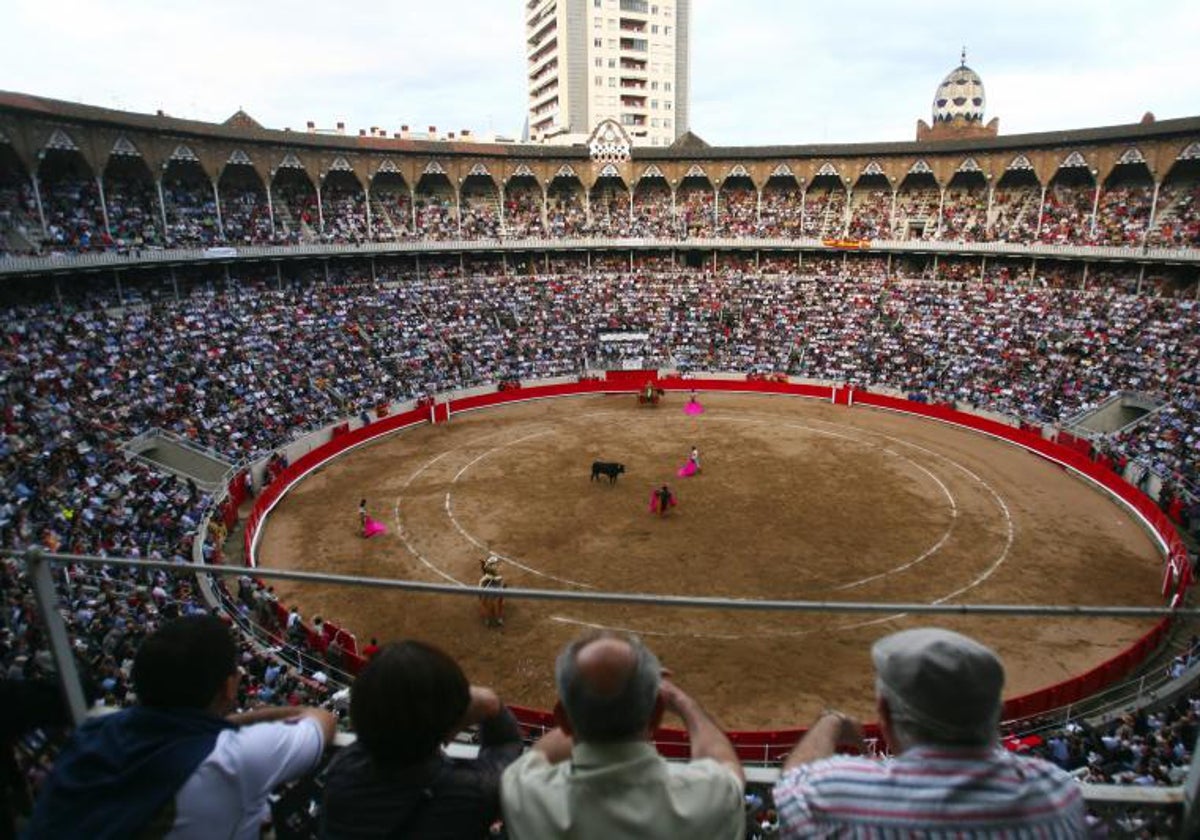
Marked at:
<point>938,696</point>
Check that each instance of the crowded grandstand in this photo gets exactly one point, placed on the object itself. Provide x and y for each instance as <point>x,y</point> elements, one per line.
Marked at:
<point>232,289</point>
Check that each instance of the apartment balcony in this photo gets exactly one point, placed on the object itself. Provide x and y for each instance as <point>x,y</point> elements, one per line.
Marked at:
<point>541,126</point>
<point>543,71</point>
<point>549,28</point>
<point>550,107</point>
<point>630,25</point>
<point>635,65</point>
<point>545,51</point>
<point>543,98</point>
<point>632,84</point>
<point>634,44</point>
<point>638,102</point>
<point>641,7</point>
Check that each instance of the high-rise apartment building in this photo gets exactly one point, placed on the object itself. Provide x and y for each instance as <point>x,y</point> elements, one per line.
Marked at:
<point>590,60</point>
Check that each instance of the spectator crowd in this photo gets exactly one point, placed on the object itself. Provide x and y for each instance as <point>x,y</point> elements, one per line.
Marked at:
<point>126,210</point>
<point>241,366</point>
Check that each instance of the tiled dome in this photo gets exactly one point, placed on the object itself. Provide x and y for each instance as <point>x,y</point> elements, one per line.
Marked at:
<point>959,96</point>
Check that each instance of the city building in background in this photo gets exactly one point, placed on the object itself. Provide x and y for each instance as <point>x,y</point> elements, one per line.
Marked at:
<point>594,60</point>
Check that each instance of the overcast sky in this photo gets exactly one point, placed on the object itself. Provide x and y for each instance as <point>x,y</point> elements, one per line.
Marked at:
<point>763,71</point>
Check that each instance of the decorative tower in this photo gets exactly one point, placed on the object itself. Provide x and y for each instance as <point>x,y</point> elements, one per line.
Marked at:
<point>958,107</point>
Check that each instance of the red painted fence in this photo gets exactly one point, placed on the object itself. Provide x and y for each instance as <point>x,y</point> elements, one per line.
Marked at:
<point>774,745</point>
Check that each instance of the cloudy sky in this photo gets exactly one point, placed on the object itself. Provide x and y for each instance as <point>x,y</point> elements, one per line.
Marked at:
<point>764,71</point>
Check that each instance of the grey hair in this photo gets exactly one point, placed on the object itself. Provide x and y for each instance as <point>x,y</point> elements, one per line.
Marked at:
<point>622,715</point>
<point>910,727</point>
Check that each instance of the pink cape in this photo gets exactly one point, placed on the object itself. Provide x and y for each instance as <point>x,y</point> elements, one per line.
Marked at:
<point>693,408</point>
<point>373,527</point>
<point>654,501</point>
<point>687,470</point>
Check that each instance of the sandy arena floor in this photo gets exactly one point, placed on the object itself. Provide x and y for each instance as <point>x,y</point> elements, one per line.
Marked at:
<point>796,500</point>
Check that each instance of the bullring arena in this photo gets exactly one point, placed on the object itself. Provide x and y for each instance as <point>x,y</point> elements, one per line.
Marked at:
<point>797,500</point>
<point>954,373</point>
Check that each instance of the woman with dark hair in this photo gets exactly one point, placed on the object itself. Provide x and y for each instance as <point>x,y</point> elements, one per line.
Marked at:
<point>395,780</point>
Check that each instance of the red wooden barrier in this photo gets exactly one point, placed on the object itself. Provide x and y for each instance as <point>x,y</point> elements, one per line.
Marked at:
<point>776,743</point>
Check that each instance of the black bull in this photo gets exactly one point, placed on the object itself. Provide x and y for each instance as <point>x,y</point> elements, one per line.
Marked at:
<point>600,468</point>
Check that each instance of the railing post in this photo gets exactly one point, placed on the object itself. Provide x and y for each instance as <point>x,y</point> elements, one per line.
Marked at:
<point>56,632</point>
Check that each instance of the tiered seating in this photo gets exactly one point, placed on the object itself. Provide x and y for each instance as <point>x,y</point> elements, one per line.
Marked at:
<point>738,212</point>
<point>694,210</point>
<point>565,213</point>
<point>480,216</point>
<point>437,217</point>
<point>917,213</point>
<point>825,212</point>
<point>191,214</point>
<point>1123,215</point>
<point>870,215</point>
<point>964,215</point>
<point>523,213</point>
<point>1015,214</point>
<point>781,212</point>
<point>345,214</point>
<point>133,217</point>
<point>246,217</point>
<point>296,214</point>
<point>610,211</point>
<point>391,214</point>
<point>1067,215</point>
<point>74,221</point>
<point>1178,221</point>
<point>652,209</point>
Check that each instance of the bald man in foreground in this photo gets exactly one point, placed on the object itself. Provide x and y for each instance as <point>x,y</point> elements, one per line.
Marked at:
<point>598,774</point>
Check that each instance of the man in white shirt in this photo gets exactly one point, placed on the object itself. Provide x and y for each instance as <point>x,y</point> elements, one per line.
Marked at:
<point>179,764</point>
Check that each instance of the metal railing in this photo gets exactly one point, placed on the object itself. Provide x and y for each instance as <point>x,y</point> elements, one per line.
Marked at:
<point>60,262</point>
<point>1118,804</point>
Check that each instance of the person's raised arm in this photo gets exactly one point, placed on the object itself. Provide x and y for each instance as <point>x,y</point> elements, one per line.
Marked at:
<point>707,739</point>
<point>326,721</point>
<point>823,738</point>
<point>555,744</point>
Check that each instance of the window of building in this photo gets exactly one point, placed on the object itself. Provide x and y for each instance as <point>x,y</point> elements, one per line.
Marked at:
<point>597,23</point>
<point>596,3</point>
<point>612,43</point>
<point>599,81</point>
<point>666,30</point>
<point>597,42</point>
<point>654,86</point>
<point>653,104</point>
<point>599,62</point>
<point>667,106</point>
<point>654,122</point>
<point>654,29</point>
<point>612,81</point>
<point>666,123</point>
<point>612,62</point>
<point>666,86</point>
<point>654,10</point>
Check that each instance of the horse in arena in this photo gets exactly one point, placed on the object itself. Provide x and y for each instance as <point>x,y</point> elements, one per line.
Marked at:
<point>607,468</point>
<point>650,394</point>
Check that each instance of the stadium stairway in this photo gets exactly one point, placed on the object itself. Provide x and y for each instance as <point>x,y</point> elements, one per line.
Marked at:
<point>379,211</point>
